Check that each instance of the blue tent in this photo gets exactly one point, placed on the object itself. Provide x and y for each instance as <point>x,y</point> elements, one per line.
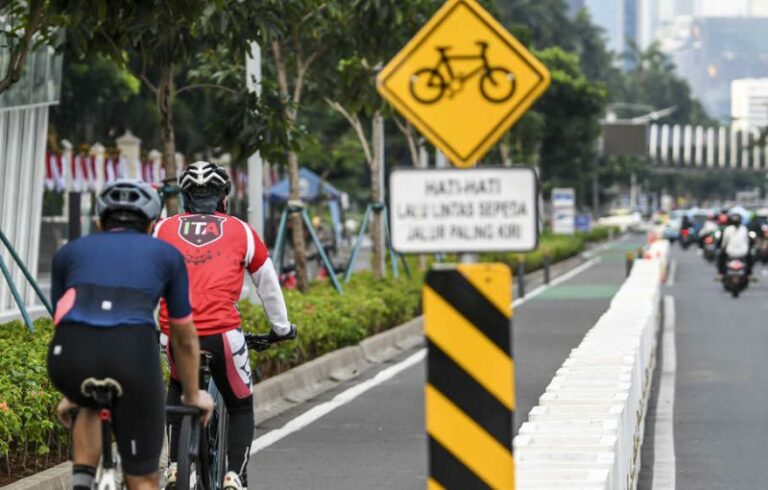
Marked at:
<point>311,187</point>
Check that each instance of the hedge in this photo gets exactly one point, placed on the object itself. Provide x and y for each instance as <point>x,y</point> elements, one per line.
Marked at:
<point>558,247</point>
<point>30,437</point>
<point>327,321</point>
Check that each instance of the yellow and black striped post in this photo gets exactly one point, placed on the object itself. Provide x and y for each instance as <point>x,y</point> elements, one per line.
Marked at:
<point>470,392</point>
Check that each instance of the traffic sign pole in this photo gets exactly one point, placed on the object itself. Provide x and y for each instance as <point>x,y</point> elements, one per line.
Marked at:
<point>463,112</point>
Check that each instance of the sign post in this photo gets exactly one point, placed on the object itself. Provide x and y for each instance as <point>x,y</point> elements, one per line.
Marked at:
<point>463,81</point>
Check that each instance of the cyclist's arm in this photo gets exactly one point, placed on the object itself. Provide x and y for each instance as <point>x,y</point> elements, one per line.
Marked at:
<point>186,354</point>
<point>267,284</point>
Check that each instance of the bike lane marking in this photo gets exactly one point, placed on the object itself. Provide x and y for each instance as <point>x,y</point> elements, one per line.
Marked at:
<point>319,411</point>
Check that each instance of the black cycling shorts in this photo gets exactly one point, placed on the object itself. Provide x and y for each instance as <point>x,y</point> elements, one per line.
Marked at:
<point>128,354</point>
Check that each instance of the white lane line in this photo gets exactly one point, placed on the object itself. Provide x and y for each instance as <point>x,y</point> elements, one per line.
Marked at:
<point>568,275</point>
<point>672,273</point>
<point>664,434</point>
<point>342,398</point>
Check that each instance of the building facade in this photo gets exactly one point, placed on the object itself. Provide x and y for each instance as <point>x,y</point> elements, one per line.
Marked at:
<point>23,137</point>
<point>749,103</point>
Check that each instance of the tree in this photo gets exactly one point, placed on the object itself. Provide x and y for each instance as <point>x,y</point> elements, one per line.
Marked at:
<point>95,96</point>
<point>153,39</point>
<point>293,38</point>
<point>654,81</point>
<point>572,108</point>
<point>369,33</point>
<point>25,25</point>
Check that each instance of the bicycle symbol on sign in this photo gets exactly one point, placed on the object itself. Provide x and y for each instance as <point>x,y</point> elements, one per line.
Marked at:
<point>429,85</point>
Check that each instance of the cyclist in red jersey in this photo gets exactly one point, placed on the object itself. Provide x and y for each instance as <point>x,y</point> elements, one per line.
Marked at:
<point>218,250</point>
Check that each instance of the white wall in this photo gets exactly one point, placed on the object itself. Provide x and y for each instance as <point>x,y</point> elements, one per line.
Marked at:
<point>23,133</point>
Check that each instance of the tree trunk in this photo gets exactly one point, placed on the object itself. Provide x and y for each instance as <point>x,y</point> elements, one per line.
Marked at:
<point>165,96</point>
<point>299,248</point>
<point>379,266</point>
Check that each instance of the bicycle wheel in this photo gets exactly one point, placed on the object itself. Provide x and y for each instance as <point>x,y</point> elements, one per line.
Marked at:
<point>497,84</point>
<point>184,464</point>
<point>427,85</point>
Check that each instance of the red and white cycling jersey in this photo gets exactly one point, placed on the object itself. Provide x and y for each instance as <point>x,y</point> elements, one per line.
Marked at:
<point>218,249</point>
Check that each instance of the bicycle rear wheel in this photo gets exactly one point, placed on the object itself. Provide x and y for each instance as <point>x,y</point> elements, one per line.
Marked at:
<point>218,441</point>
<point>497,84</point>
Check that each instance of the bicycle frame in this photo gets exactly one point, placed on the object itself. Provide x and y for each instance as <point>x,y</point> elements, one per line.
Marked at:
<point>445,60</point>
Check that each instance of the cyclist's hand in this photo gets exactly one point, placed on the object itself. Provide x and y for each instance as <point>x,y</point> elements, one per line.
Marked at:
<point>64,411</point>
<point>205,403</point>
<point>274,337</point>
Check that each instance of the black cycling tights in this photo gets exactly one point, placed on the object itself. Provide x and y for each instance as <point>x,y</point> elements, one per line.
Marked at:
<point>240,410</point>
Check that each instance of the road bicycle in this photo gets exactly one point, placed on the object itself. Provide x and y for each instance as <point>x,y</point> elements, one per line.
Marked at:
<point>429,85</point>
<point>202,451</point>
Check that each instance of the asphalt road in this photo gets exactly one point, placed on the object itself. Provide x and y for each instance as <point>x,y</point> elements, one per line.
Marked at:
<point>721,401</point>
<point>377,440</point>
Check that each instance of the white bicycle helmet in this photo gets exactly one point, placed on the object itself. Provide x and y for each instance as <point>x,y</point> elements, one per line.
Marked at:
<point>204,186</point>
<point>125,198</point>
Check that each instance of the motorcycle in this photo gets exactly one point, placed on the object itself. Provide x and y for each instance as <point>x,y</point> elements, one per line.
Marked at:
<point>735,279</point>
<point>760,247</point>
<point>687,238</point>
<point>709,247</point>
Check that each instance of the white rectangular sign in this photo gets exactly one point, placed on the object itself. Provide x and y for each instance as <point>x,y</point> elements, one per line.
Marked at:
<point>563,210</point>
<point>454,210</point>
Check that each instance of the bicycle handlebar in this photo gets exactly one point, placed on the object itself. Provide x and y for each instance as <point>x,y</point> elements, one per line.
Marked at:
<point>183,410</point>
<point>262,342</point>
<point>257,342</point>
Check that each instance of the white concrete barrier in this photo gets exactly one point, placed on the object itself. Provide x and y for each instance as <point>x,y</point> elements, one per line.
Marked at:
<point>587,430</point>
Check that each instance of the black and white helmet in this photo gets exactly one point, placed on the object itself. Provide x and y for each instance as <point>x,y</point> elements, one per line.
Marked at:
<point>206,175</point>
<point>204,186</point>
<point>126,197</point>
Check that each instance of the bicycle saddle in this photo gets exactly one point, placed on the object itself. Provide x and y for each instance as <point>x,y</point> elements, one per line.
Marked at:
<point>101,390</point>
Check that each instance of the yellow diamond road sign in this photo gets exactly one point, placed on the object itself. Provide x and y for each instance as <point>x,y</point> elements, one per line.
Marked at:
<point>463,80</point>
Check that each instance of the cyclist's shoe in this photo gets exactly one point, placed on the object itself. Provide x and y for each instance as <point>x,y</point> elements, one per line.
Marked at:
<point>274,337</point>
<point>232,482</point>
<point>170,477</point>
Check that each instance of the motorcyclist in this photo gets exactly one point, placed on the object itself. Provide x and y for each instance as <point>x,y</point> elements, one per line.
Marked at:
<point>734,244</point>
<point>709,227</point>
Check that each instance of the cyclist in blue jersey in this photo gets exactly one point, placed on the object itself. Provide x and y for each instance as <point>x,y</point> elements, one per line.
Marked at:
<point>106,287</point>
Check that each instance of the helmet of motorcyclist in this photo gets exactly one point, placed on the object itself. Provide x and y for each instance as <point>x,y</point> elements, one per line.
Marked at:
<point>128,203</point>
<point>734,219</point>
<point>205,187</point>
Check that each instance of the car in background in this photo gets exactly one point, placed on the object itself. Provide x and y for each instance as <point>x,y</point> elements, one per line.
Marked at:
<point>671,230</point>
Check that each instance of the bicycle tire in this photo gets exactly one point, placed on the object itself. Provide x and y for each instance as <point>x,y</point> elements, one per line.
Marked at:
<point>204,481</point>
<point>488,77</point>
<point>432,73</point>
<point>184,463</point>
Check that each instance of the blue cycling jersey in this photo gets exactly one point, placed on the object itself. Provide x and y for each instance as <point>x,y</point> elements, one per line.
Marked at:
<point>117,278</point>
